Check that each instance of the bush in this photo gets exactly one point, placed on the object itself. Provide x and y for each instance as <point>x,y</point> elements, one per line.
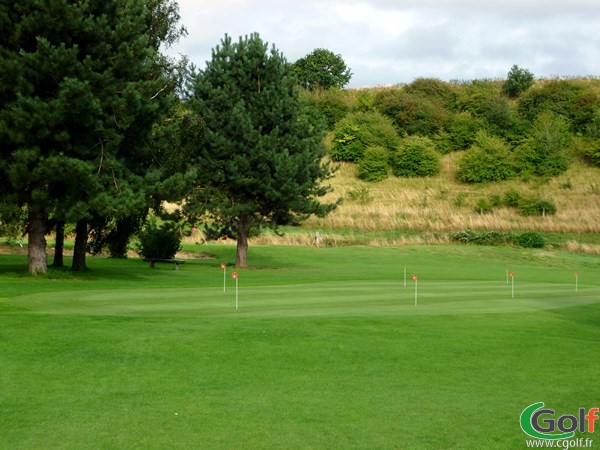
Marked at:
<point>462,130</point>
<point>374,166</point>
<point>331,104</point>
<point>489,160</point>
<point>358,131</point>
<point>360,195</point>
<point>512,198</point>
<point>413,113</point>
<point>434,89</point>
<point>416,158</point>
<point>531,239</point>
<point>536,207</point>
<point>482,238</point>
<point>544,153</point>
<point>483,207</point>
<point>160,242</point>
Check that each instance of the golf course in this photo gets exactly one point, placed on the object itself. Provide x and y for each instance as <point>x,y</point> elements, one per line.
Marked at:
<point>331,347</point>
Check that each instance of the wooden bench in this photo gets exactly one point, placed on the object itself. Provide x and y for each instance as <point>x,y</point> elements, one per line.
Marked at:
<point>152,261</point>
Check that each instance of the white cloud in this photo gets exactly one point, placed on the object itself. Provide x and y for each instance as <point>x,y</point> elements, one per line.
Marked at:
<point>389,42</point>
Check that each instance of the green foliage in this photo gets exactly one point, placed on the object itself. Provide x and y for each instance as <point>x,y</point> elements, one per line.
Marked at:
<point>461,133</point>
<point>482,238</point>
<point>527,205</point>
<point>416,157</point>
<point>412,113</point>
<point>365,101</point>
<point>159,241</point>
<point>435,90</point>
<point>483,206</point>
<point>82,86</point>
<point>374,166</point>
<point>531,206</point>
<point>360,130</point>
<point>517,81</point>
<point>322,69</point>
<point>574,102</point>
<point>512,198</point>
<point>332,105</point>
<point>360,195</point>
<point>261,161</point>
<point>544,152</point>
<point>530,239</point>
<point>489,160</point>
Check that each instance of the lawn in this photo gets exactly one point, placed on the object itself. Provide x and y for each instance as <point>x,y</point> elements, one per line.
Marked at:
<point>326,351</point>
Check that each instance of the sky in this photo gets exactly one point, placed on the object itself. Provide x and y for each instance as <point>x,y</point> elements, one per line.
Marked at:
<point>389,42</point>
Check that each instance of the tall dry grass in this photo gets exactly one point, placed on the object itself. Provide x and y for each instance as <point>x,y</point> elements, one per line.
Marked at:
<point>442,204</point>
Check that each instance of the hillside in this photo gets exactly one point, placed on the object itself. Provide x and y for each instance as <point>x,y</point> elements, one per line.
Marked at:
<point>452,116</point>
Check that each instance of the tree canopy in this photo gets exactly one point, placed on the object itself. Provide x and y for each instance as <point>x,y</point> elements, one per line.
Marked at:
<point>82,85</point>
<point>262,154</point>
<point>322,69</point>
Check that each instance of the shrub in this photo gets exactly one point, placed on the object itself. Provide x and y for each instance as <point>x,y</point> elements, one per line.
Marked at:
<point>374,166</point>
<point>512,198</point>
<point>360,195</point>
<point>434,89</point>
<point>416,158</point>
<point>482,238</point>
<point>483,207</point>
<point>462,130</point>
<point>331,104</point>
<point>160,242</point>
<point>489,160</point>
<point>544,153</point>
<point>360,130</point>
<point>536,207</point>
<point>413,113</point>
<point>531,239</point>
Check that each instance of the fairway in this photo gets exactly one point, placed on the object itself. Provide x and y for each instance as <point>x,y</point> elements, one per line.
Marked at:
<point>327,350</point>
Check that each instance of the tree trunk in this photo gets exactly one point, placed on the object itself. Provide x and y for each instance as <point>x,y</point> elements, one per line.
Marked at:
<point>59,245</point>
<point>81,239</point>
<point>36,248</point>
<point>241,257</point>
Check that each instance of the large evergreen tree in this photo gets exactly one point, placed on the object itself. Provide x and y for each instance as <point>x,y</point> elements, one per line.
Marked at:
<point>82,84</point>
<point>262,153</point>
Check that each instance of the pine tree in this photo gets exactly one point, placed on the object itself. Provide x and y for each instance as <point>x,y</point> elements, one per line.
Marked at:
<point>262,155</point>
<point>82,84</point>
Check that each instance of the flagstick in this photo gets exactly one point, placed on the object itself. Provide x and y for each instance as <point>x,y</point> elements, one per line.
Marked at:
<point>513,286</point>
<point>405,277</point>
<point>237,303</point>
<point>416,283</point>
<point>224,281</point>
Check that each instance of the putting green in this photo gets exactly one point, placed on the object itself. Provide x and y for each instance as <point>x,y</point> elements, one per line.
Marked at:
<point>357,298</point>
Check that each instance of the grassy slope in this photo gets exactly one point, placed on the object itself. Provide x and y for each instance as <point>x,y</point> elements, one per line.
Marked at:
<point>426,210</point>
<point>327,350</point>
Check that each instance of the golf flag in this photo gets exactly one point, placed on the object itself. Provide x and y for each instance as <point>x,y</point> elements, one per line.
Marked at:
<point>224,267</point>
<point>234,275</point>
<point>415,277</point>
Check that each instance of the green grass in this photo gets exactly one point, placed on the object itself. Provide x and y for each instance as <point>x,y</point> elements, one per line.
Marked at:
<point>327,349</point>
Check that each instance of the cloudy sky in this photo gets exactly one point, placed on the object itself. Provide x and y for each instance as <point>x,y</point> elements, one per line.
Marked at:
<point>387,42</point>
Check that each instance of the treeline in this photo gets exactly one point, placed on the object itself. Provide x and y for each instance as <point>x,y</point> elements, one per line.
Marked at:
<point>512,128</point>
